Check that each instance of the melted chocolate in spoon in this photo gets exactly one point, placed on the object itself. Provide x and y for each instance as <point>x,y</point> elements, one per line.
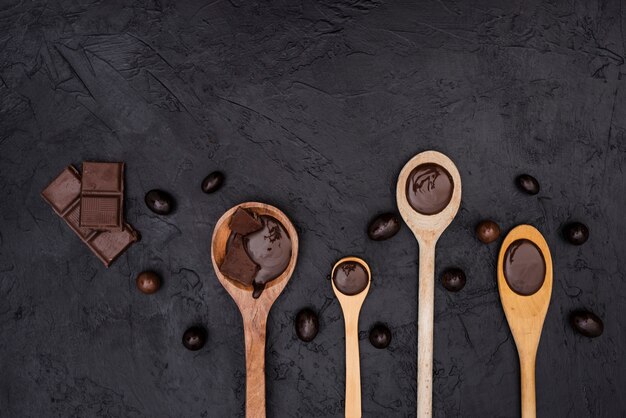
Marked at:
<point>524,267</point>
<point>270,248</point>
<point>350,278</point>
<point>429,188</point>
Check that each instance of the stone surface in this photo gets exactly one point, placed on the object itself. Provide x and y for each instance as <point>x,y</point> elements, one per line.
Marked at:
<point>332,99</point>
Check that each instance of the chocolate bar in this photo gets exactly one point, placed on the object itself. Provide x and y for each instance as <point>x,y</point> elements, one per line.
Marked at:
<point>63,194</point>
<point>102,196</point>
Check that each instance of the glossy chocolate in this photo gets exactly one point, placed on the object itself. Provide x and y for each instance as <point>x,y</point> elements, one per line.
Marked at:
<point>487,231</point>
<point>307,325</point>
<point>350,278</point>
<point>524,267</point>
<point>527,184</point>
<point>429,188</point>
<point>257,289</point>
<point>159,202</point>
<point>212,182</point>
<point>453,279</point>
<point>194,338</point>
<point>270,249</point>
<point>383,227</point>
<point>380,336</point>
<point>587,323</point>
<point>576,233</point>
<point>148,282</point>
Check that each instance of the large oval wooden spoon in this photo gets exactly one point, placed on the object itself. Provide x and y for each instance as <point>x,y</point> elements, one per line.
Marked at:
<point>526,314</point>
<point>253,311</point>
<point>351,307</point>
<point>427,230</point>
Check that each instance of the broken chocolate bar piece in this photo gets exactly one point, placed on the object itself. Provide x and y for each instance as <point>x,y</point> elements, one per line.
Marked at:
<point>102,196</point>
<point>63,194</point>
<point>243,222</point>
<point>237,264</point>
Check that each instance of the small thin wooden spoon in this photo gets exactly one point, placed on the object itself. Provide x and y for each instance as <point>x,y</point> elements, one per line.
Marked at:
<point>427,230</point>
<point>351,307</point>
<point>526,314</point>
<point>253,311</point>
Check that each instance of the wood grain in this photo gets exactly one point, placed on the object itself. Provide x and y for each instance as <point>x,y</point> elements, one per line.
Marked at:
<point>526,314</point>
<point>351,307</point>
<point>427,230</point>
<point>254,312</point>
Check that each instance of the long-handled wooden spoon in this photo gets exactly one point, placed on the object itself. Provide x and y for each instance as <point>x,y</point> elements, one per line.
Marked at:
<point>428,194</point>
<point>525,285</point>
<point>253,311</point>
<point>351,306</point>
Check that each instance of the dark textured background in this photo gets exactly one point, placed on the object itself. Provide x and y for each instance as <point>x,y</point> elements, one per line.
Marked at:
<point>312,107</point>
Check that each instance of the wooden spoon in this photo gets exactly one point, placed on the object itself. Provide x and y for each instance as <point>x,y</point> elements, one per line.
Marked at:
<point>526,314</point>
<point>253,311</point>
<point>351,307</point>
<point>427,230</point>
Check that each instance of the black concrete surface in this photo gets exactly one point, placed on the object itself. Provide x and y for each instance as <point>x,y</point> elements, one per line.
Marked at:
<point>313,107</point>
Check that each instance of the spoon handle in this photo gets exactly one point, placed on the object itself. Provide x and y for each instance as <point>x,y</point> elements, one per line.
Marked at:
<point>527,371</point>
<point>254,332</point>
<point>425,318</point>
<point>353,367</point>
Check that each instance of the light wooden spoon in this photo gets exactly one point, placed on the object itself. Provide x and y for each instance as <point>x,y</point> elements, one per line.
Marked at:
<point>427,230</point>
<point>351,307</point>
<point>526,314</point>
<point>253,311</point>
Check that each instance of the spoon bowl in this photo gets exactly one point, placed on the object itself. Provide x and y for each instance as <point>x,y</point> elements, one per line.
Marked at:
<point>351,307</point>
<point>254,312</point>
<point>427,227</point>
<point>351,301</point>
<point>526,313</point>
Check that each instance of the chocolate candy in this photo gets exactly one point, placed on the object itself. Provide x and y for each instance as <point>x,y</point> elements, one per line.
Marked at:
<point>429,188</point>
<point>528,184</point>
<point>159,202</point>
<point>576,233</point>
<point>307,325</point>
<point>383,227</point>
<point>524,267</point>
<point>237,264</point>
<point>194,338</point>
<point>244,222</point>
<point>148,282</point>
<point>487,231</point>
<point>212,182</point>
<point>380,336</point>
<point>453,279</point>
<point>63,195</point>
<point>102,196</point>
<point>587,323</point>
<point>270,249</point>
<point>350,278</point>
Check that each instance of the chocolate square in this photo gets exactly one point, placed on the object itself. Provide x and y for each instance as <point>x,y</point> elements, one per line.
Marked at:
<point>101,211</point>
<point>103,177</point>
<point>237,264</point>
<point>108,245</point>
<point>243,222</point>
<point>64,190</point>
<point>102,195</point>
